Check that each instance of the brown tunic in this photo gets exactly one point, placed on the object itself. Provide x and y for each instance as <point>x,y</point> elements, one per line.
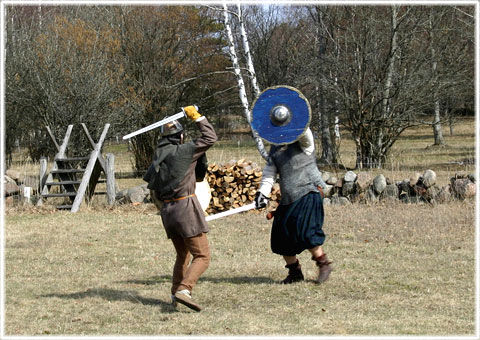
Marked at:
<point>185,217</point>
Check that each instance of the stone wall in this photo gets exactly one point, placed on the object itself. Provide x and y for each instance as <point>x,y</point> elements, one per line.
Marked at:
<point>361,187</point>
<point>351,187</point>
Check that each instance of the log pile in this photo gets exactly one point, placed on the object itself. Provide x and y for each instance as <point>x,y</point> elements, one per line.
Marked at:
<point>234,184</point>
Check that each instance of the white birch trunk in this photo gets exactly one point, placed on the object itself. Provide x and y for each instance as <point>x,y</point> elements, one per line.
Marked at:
<point>241,84</point>
<point>437,125</point>
<point>246,48</point>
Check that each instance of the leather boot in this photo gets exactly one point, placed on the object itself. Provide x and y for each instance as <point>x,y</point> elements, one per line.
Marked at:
<point>324,268</point>
<point>294,273</point>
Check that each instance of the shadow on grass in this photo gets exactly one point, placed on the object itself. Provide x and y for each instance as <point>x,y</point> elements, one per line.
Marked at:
<point>234,280</point>
<point>115,295</point>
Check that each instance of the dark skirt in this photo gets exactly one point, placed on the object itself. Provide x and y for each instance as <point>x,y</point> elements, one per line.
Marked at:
<point>298,226</point>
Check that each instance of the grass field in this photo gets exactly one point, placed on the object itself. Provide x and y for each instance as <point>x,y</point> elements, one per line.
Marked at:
<point>399,269</point>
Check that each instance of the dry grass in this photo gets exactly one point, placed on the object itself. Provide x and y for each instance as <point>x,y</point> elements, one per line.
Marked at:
<point>399,269</point>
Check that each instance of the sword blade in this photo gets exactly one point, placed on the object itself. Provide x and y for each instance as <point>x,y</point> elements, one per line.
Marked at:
<point>231,212</point>
<point>155,125</point>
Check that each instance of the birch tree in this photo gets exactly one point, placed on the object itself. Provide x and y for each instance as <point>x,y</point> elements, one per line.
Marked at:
<point>239,77</point>
<point>248,55</point>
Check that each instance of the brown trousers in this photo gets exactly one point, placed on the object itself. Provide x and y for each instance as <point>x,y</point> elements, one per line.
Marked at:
<point>186,274</point>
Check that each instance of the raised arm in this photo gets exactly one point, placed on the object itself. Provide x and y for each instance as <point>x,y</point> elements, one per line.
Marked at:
<point>208,136</point>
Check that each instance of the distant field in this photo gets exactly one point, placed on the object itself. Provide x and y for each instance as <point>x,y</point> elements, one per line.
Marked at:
<point>413,152</point>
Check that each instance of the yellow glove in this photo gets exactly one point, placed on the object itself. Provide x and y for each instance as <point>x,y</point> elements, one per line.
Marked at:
<point>192,113</point>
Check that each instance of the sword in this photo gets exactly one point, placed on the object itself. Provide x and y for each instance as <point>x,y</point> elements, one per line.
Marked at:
<point>231,212</point>
<point>158,124</point>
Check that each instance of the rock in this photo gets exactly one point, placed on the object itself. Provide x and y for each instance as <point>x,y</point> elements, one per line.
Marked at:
<point>326,176</point>
<point>388,181</point>
<point>348,189</point>
<point>432,193</point>
<point>120,196</point>
<point>414,179</point>
<point>328,191</point>
<point>326,201</point>
<point>429,178</point>
<point>444,195</point>
<point>137,194</point>
<point>350,176</point>
<point>460,174</point>
<point>363,181</point>
<point>11,189</point>
<point>379,184</point>
<point>404,187</point>
<point>13,174</point>
<point>335,200</point>
<point>463,188</point>
<point>8,179</point>
<point>471,177</point>
<point>339,183</point>
<point>332,180</point>
<point>420,189</point>
<point>391,192</point>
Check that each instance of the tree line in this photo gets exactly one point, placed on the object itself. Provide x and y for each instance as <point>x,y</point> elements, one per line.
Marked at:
<point>374,70</point>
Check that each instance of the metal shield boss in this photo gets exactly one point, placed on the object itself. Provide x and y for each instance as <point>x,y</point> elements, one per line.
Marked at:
<point>281,115</point>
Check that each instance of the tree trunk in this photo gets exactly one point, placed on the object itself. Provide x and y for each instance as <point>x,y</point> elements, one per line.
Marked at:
<point>437,125</point>
<point>241,84</point>
<point>369,154</point>
<point>329,151</point>
<point>389,76</point>
<point>328,147</point>
<point>246,48</point>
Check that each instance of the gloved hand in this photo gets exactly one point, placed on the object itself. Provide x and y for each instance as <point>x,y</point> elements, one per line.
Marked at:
<point>321,191</point>
<point>191,112</point>
<point>260,200</point>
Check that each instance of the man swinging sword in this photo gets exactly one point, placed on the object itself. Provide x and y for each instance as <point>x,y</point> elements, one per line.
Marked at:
<point>175,168</point>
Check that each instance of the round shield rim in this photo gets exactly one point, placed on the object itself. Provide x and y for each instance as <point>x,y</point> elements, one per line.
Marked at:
<point>301,95</point>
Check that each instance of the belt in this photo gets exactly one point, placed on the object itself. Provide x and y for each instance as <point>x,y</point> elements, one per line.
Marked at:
<point>178,199</point>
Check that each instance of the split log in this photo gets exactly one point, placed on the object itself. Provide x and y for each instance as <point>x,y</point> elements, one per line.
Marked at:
<point>234,184</point>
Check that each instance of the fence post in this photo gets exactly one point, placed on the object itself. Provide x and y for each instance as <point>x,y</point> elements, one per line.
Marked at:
<point>110,174</point>
<point>42,178</point>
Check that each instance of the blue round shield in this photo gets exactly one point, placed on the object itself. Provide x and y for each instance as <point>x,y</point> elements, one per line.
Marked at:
<point>281,114</point>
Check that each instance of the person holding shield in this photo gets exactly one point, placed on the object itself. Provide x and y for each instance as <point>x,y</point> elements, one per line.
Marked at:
<point>281,115</point>
<point>175,168</point>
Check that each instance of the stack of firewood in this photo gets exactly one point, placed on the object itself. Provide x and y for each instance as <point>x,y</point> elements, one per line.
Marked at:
<point>235,184</point>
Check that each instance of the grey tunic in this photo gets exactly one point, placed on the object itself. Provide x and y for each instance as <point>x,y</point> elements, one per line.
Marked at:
<point>298,172</point>
<point>185,217</point>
